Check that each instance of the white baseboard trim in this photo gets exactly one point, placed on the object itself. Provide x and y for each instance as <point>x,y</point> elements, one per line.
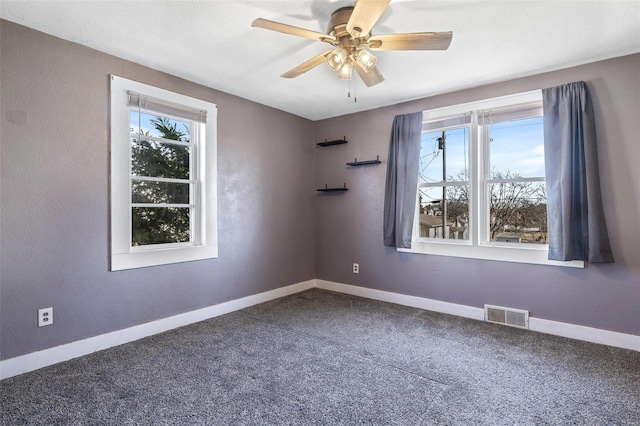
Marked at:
<point>35,360</point>
<point>572,331</point>
<point>588,334</point>
<point>402,299</point>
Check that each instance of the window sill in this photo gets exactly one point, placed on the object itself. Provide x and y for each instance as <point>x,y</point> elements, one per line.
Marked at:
<point>141,259</point>
<point>533,255</point>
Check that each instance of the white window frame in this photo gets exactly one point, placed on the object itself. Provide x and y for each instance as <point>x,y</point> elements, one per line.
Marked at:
<point>204,228</point>
<point>478,245</point>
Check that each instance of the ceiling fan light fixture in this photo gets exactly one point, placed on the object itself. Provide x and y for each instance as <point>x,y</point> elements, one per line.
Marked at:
<point>366,60</point>
<point>337,58</point>
<point>349,33</point>
<point>346,70</point>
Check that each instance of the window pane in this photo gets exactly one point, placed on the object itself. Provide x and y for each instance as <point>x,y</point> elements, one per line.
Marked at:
<point>159,225</point>
<point>518,212</point>
<point>159,192</point>
<point>156,159</point>
<point>433,204</point>
<point>158,126</point>
<point>433,151</point>
<point>516,149</point>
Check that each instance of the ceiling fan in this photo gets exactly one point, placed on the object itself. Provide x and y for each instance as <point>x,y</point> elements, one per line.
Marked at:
<point>349,33</point>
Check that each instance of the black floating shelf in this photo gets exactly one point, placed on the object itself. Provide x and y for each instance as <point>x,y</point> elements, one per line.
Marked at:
<point>336,142</point>
<point>364,163</point>
<point>326,189</point>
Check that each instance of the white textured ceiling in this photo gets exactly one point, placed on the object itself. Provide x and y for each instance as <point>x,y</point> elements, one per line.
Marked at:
<point>213,43</point>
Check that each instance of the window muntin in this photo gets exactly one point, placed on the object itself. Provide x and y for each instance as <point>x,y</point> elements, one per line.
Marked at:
<point>514,186</point>
<point>162,193</point>
<point>443,194</point>
<point>163,176</point>
<point>477,116</point>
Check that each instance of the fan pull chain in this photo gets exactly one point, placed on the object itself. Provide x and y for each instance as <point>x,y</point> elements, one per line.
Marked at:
<point>355,90</point>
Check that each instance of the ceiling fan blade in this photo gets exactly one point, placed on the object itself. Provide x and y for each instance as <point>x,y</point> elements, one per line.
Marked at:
<point>370,78</point>
<point>306,66</point>
<point>290,29</point>
<point>365,15</point>
<point>411,41</point>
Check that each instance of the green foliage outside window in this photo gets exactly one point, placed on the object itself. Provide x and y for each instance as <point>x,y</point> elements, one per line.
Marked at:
<point>150,158</point>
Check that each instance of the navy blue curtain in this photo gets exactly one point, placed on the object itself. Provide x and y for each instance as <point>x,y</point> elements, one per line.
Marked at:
<point>402,179</point>
<point>577,229</point>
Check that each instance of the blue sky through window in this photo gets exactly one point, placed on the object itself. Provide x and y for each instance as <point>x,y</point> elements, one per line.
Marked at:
<point>516,147</point>
<point>431,164</point>
<point>140,122</point>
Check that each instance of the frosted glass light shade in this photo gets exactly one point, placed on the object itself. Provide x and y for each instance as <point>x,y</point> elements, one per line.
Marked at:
<point>336,59</point>
<point>345,71</point>
<point>366,60</point>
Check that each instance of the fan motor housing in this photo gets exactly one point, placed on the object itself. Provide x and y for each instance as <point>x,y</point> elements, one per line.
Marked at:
<point>338,22</point>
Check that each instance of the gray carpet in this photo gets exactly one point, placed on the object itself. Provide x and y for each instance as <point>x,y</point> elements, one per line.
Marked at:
<point>319,357</point>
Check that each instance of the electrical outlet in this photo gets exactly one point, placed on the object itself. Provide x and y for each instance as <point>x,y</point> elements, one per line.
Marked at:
<point>356,268</point>
<point>45,317</point>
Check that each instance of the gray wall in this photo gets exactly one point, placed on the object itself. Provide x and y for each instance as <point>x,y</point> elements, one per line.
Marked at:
<point>273,229</point>
<point>54,200</point>
<point>349,226</point>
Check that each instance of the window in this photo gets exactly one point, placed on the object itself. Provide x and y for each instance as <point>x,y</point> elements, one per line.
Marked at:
<point>163,176</point>
<point>481,184</point>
